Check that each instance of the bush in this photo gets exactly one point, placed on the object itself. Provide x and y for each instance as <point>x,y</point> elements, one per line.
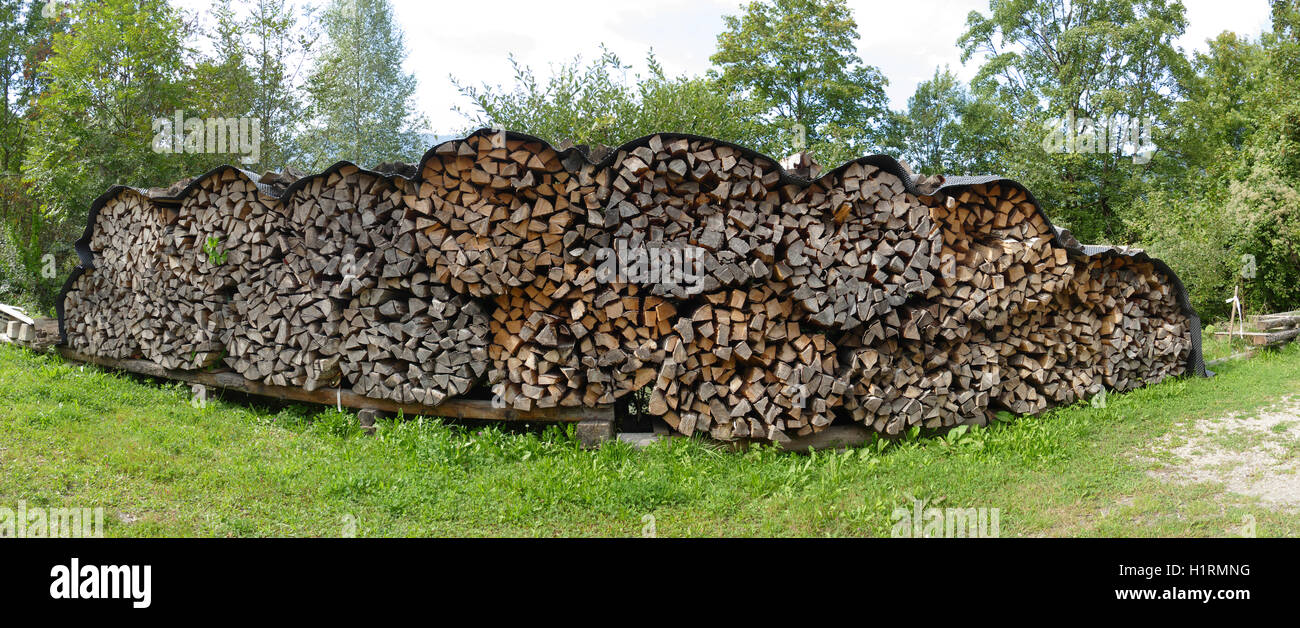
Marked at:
<point>17,282</point>
<point>1265,214</point>
<point>23,280</point>
<point>1193,237</point>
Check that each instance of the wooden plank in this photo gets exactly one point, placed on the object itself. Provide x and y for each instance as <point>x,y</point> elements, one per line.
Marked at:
<point>641,440</point>
<point>832,437</point>
<point>1273,322</point>
<point>15,313</point>
<point>1235,356</point>
<point>454,408</point>
<point>1261,339</point>
<point>1260,317</point>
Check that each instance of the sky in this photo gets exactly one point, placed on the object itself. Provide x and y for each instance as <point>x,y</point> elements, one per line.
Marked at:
<point>906,40</point>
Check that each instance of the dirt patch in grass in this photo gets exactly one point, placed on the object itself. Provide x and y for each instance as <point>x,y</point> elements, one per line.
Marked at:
<point>1256,456</point>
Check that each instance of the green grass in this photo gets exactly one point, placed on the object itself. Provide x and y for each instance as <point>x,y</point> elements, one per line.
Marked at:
<point>74,436</point>
<point>1213,347</point>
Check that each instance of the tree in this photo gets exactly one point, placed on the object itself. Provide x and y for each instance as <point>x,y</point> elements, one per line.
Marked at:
<point>14,48</point>
<point>14,45</point>
<point>595,104</point>
<point>117,68</point>
<point>930,127</point>
<point>358,96</point>
<point>254,74</point>
<point>1051,60</point>
<point>1185,218</point>
<point>946,130</point>
<point>1236,188</point>
<point>586,104</point>
<point>222,84</point>
<point>25,36</point>
<point>798,57</point>
<point>702,106</point>
<point>278,48</point>
<point>1278,139</point>
<point>1221,107</point>
<point>1264,201</point>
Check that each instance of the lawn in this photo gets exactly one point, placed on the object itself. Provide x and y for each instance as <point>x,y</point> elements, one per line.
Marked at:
<point>78,436</point>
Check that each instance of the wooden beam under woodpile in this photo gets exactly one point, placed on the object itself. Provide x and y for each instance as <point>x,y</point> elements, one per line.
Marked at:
<point>452,408</point>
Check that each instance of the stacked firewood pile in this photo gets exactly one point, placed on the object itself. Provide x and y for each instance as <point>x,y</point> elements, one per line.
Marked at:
<point>902,383</point>
<point>494,213</point>
<point>747,302</point>
<point>589,346</point>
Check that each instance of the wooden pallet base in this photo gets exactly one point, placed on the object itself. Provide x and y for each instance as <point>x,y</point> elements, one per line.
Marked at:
<point>835,437</point>
<point>594,425</point>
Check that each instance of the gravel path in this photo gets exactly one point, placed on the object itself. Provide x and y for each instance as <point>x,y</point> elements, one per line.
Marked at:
<point>1257,456</point>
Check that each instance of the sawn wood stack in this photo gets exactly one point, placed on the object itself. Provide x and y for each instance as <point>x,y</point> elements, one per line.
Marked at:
<point>747,302</point>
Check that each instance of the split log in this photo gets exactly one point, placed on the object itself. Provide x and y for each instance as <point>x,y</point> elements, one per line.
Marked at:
<point>857,246</point>
<point>997,257</point>
<point>740,366</point>
<point>496,212</point>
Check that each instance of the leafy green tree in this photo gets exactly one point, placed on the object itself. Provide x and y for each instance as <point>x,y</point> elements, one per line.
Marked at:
<point>117,67</point>
<point>798,57</point>
<point>258,54</point>
<point>15,278</point>
<point>1278,139</point>
<point>587,104</point>
<point>947,130</point>
<point>593,103</point>
<point>1046,60</point>
<point>26,32</point>
<point>1264,200</point>
<point>222,83</point>
<point>360,100</point>
<point>25,36</point>
<point>1265,211</point>
<point>929,129</point>
<point>702,106</point>
<point>14,49</point>
<point>1220,109</point>
<point>1185,219</point>
<point>279,42</point>
<point>1235,192</point>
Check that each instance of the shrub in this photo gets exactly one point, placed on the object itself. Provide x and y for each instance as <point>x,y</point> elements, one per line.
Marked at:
<point>1193,237</point>
<point>1265,214</point>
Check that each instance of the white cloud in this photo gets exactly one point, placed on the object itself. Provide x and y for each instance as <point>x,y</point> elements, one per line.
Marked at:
<point>1207,18</point>
<point>472,40</point>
